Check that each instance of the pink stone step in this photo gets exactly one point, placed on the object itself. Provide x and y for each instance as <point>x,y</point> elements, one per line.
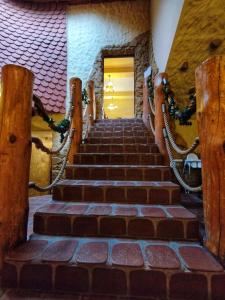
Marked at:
<point>115,220</point>
<point>136,192</point>
<point>119,158</point>
<point>118,172</point>
<point>119,148</point>
<point>121,140</point>
<point>123,268</point>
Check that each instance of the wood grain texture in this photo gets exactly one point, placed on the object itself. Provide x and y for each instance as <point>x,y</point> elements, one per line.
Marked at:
<point>146,107</point>
<point>210,87</point>
<point>15,153</point>
<point>159,122</point>
<point>77,123</point>
<point>91,108</point>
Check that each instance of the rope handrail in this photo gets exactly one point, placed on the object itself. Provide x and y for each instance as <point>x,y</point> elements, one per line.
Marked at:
<point>175,170</point>
<point>151,124</point>
<point>184,115</point>
<point>58,177</point>
<point>62,127</point>
<point>172,140</point>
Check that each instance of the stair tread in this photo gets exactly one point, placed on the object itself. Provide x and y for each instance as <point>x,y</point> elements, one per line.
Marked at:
<point>111,252</point>
<point>114,209</point>
<point>114,166</point>
<point>119,183</point>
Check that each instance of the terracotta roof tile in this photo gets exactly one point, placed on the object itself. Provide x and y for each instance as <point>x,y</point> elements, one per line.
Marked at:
<point>33,35</point>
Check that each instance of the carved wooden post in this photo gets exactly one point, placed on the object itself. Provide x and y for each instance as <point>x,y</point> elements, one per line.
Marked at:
<point>15,154</point>
<point>159,122</point>
<point>210,89</point>
<point>76,95</point>
<point>90,108</point>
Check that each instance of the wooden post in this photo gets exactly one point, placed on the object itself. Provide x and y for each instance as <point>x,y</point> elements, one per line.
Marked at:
<point>146,107</point>
<point>90,108</point>
<point>15,154</point>
<point>159,122</point>
<point>77,123</point>
<point>210,89</point>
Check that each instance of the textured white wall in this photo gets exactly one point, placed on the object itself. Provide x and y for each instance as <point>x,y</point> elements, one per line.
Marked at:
<point>165,17</point>
<point>94,26</point>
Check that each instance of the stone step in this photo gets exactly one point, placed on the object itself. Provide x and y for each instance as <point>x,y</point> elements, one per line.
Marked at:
<point>116,220</point>
<point>119,158</point>
<point>121,140</point>
<point>118,172</point>
<point>128,268</point>
<point>136,192</point>
<point>119,148</point>
<point>121,134</point>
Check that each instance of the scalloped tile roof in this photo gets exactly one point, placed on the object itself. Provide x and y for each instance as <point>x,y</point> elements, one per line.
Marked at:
<point>34,36</point>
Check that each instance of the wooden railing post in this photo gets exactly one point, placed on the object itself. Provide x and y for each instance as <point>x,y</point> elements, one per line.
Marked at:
<point>77,122</point>
<point>15,153</point>
<point>210,89</point>
<point>159,122</point>
<point>90,108</point>
<point>146,107</point>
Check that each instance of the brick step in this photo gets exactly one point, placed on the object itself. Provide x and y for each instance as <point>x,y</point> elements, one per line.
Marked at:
<point>118,128</point>
<point>119,158</point>
<point>100,266</point>
<point>114,220</point>
<point>136,192</point>
<point>128,134</point>
<point>121,140</point>
<point>119,148</point>
<point>118,172</point>
<point>119,121</point>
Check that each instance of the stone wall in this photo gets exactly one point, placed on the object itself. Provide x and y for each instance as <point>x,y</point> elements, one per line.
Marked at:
<point>138,48</point>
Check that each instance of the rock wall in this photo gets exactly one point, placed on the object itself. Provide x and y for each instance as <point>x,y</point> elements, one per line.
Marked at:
<point>138,48</point>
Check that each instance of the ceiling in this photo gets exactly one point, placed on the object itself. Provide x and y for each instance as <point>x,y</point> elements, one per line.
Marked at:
<point>69,1</point>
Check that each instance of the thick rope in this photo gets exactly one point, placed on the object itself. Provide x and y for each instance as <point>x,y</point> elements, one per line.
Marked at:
<point>152,106</point>
<point>58,177</point>
<point>39,144</point>
<point>171,139</point>
<point>175,170</point>
<point>151,124</point>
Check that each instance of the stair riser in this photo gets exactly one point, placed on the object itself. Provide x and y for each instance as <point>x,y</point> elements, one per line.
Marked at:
<point>102,278</point>
<point>88,148</point>
<point>135,195</point>
<point>119,134</point>
<point>119,128</point>
<point>119,159</point>
<point>105,173</point>
<point>121,140</point>
<point>111,226</point>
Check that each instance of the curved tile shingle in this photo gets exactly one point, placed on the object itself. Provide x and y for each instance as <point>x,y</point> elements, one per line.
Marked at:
<point>34,36</point>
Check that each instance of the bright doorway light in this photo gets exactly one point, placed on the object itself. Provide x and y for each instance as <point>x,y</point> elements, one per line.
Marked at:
<point>119,87</point>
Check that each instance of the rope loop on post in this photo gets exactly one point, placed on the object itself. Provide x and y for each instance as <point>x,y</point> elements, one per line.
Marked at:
<point>172,140</point>
<point>175,170</point>
<point>151,123</point>
<point>58,177</point>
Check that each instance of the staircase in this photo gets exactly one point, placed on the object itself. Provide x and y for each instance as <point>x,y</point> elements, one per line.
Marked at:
<point>115,228</point>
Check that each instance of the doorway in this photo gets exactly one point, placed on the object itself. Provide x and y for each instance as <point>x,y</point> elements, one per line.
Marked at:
<point>119,87</point>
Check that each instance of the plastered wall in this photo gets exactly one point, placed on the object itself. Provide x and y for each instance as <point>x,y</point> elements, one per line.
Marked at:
<point>92,27</point>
